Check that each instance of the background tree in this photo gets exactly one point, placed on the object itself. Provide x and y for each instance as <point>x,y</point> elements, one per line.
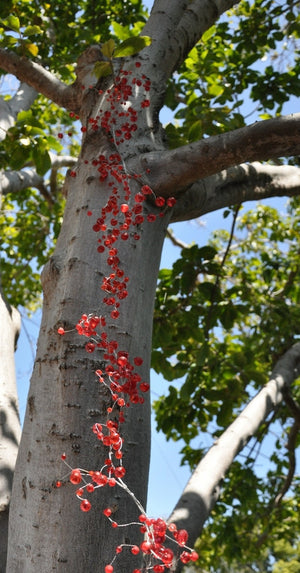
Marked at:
<point>200,64</point>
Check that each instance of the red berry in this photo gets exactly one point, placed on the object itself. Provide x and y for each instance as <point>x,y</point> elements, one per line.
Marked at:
<point>144,387</point>
<point>160,201</point>
<point>75,476</point>
<point>108,569</point>
<point>167,556</point>
<point>120,472</point>
<point>185,557</point>
<point>135,549</point>
<point>85,505</point>
<point>107,511</point>
<point>58,483</point>
<point>171,201</point>
<point>181,536</point>
<point>61,330</point>
<point>146,546</point>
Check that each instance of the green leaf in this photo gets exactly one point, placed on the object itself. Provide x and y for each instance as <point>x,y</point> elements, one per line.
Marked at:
<point>32,30</point>
<point>102,69</point>
<point>208,34</point>
<point>12,22</point>
<point>108,48</point>
<point>132,46</point>
<point>42,160</point>
<point>32,48</point>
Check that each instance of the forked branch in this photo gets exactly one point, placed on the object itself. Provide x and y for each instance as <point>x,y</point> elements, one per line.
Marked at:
<point>202,490</point>
<point>40,79</point>
<point>261,141</point>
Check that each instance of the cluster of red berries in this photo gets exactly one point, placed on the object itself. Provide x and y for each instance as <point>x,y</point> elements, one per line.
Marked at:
<point>121,219</point>
<point>156,533</point>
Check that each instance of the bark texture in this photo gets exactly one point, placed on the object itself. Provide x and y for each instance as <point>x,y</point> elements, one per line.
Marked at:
<point>246,182</point>
<point>48,531</point>
<point>10,430</point>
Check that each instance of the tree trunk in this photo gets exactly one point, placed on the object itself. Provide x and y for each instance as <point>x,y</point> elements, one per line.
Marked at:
<point>48,532</point>
<point>10,430</point>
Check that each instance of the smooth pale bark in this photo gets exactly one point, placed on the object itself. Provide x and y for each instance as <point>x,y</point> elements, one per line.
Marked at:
<point>47,529</point>
<point>203,488</point>
<point>261,141</point>
<point>175,27</point>
<point>9,109</point>
<point>40,79</point>
<point>15,181</point>
<point>10,430</point>
<point>246,182</point>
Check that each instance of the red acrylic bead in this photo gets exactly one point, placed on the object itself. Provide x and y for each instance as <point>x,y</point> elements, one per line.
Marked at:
<point>85,505</point>
<point>75,476</point>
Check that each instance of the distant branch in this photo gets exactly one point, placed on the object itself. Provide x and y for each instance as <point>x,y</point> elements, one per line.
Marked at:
<point>177,242</point>
<point>16,181</point>
<point>9,109</point>
<point>198,17</point>
<point>175,27</point>
<point>178,168</point>
<point>236,185</point>
<point>203,488</point>
<point>291,447</point>
<point>41,80</point>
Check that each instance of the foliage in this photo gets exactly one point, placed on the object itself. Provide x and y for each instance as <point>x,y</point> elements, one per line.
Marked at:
<point>224,314</point>
<point>228,67</point>
<point>30,221</point>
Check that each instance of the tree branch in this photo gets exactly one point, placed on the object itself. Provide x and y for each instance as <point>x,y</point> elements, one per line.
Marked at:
<point>203,488</point>
<point>236,185</point>
<point>175,27</point>
<point>198,17</point>
<point>261,141</point>
<point>22,100</point>
<point>15,181</point>
<point>9,109</point>
<point>41,80</point>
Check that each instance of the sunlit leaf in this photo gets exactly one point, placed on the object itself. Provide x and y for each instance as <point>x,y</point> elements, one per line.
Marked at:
<point>108,48</point>
<point>132,46</point>
<point>102,69</point>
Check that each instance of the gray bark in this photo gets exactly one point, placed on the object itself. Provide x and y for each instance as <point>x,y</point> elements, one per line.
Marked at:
<point>10,429</point>
<point>22,100</point>
<point>246,182</point>
<point>37,77</point>
<point>260,141</point>
<point>47,529</point>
